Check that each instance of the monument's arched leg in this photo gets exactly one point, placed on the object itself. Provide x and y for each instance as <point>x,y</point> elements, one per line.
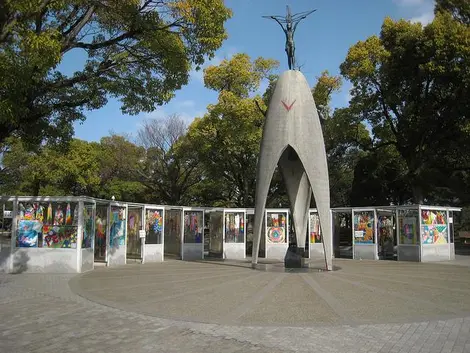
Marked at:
<point>266,165</point>
<point>298,191</point>
<point>318,176</point>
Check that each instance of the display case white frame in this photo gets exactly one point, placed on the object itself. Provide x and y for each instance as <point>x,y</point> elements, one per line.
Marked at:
<point>191,251</point>
<point>153,252</point>
<point>364,251</point>
<point>234,251</point>
<point>276,251</point>
<point>116,255</point>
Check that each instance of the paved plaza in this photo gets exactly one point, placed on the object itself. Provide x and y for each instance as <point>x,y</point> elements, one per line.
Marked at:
<point>210,306</point>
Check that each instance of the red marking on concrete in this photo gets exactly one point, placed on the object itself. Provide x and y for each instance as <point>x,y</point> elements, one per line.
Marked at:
<point>288,107</point>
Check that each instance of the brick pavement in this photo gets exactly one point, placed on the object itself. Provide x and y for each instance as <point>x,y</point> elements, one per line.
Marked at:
<point>40,313</point>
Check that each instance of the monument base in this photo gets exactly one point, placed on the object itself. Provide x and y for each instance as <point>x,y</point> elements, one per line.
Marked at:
<point>294,257</point>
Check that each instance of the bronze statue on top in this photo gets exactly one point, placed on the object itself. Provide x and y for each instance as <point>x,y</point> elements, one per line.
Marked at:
<point>291,22</point>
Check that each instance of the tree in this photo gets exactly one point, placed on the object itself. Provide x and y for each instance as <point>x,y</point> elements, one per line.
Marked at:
<point>119,161</point>
<point>378,179</point>
<point>342,136</point>
<point>411,84</point>
<point>101,170</point>
<point>227,138</point>
<point>459,9</point>
<point>14,161</point>
<point>52,171</point>
<point>321,92</point>
<point>137,51</point>
<point>170,169</point>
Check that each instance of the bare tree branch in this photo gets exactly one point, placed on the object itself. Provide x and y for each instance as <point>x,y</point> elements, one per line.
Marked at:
<point>73,31</point>
<point>84,76</point>
<point>68,19</point>
<point>264,112</point>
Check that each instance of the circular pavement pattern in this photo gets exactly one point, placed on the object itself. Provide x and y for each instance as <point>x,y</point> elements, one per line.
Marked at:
<point>231,293</point>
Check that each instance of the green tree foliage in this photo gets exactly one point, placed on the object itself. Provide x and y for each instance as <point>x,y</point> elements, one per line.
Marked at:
<point>14,161</point>
<point>119,161</point>
<point>411,84</point>
<point>137,51</point>
<point>102,169</point>
<point>52,171</point>
<point>227,138</point>
<point>272,79</point>
<point>341,135</point>
<point>378,179</point>
<point>321,92</point>
<point>459,9</point>
<point>238,75</point>
<point>403,137</point>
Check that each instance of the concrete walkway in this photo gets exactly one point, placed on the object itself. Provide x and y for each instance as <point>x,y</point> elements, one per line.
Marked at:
<point>212,307</point>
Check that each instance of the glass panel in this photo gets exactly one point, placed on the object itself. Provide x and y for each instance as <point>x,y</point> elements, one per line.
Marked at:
<point>408,227</point>
<point>315,234</point>
<point>101,223</point>
<point>276,227</point>
<point>216,229</point>
<point>117,233</point>
<point>172,232</point>
<point>386,235</point>
<point>6,219</point>
<point>451,226</point>
<point>364,227</point>
<point>250,222</point>
<point>234,227</point>
<point>48,225</point>
<point>88,226</point>
<point>28,233</point>
<point>342,234</point>
<point>154,226</point>
<point>134,224</point>
<point>206,234</point>
<point>193,226</point>
<point>291,230</point>
<point>433,227</point>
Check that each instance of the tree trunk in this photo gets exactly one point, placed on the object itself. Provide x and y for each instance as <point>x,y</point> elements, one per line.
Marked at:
<point>417,193</point>
<point>37,188</point>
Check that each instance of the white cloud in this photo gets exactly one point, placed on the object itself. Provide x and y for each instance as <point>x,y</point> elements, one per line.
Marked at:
<point>189,117</point>
<point>186,116</point>
<point>187,104</point>
<point>199,75</point>
<point>424,18</point>
<point>410,2</point>
<point>423,10</point>
<point>230,51</point>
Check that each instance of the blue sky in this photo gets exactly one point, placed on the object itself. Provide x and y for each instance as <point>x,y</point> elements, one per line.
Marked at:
<point>322,42</point>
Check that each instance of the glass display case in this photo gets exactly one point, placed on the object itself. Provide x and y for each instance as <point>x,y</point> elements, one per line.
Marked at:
<point>235,234</point>
<point>277,234</point>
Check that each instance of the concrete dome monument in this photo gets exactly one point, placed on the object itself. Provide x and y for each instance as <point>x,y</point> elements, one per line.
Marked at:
<point>293,140</point>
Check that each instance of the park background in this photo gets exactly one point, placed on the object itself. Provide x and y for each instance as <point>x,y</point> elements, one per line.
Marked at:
<point>171,128</point>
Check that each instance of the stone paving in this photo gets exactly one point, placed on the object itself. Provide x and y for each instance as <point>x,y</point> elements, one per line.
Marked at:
<point>43,313</point>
